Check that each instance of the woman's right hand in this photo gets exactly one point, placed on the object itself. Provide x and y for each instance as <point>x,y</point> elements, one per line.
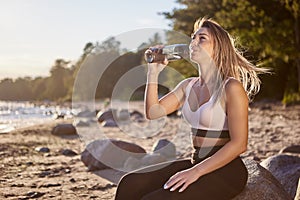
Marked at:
<point>158,66</point>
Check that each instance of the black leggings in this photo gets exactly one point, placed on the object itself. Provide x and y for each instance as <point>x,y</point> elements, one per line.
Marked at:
<point>147,183</point>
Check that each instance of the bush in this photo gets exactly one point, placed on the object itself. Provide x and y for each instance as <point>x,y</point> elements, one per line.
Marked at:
<point>291,98</point>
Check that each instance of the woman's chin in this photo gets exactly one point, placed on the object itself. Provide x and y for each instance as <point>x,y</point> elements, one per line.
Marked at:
<point>193,58</point>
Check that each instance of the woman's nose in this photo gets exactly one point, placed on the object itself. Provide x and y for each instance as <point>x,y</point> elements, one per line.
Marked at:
<point>193,43</point>
<point>191,46</point>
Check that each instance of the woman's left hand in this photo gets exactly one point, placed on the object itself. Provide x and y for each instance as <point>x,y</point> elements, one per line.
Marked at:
<point>182,179</point>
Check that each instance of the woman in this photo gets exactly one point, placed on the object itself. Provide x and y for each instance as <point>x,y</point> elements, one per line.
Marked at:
<point>215,104</point>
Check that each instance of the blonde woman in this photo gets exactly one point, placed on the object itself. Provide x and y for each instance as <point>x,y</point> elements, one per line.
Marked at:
<point>215,104</point>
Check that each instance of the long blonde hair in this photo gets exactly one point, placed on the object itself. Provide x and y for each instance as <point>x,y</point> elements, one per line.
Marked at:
<point>229,60</point>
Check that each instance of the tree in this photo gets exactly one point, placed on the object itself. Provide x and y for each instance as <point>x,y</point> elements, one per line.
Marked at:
<point>109,45</point>
<point>39,88</point>
<point>293,6</point>
<point>6,89</point>
<point>266,28</point>
<point>57,87</point>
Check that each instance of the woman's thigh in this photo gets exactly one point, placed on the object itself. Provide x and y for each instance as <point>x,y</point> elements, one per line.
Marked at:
<point>137,184</point>
<point>221,184</point>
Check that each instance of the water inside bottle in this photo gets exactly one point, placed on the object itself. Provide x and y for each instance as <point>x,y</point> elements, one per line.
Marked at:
<point>171,52</point>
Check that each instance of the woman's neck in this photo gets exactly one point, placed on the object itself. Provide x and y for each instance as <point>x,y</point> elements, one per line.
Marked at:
<point>210,77</point>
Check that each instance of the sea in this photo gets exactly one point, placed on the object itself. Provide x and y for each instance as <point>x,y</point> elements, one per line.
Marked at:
<point>21,114</point>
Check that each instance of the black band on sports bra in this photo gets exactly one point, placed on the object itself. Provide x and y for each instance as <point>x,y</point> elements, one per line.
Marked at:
<point>210,133</point>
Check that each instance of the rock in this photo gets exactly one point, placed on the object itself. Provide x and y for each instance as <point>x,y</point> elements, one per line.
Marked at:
<point>291,149</point>
<point>34,195</point>
<point>108,118</point>
<point>137,116</point>
<point>68,152</point>
<point>132,164</point>
<point>154,158</point>
<point>80,123</point>
<point>86,114</point>
<point>48,185</point>
<point>123,115</point>
<point>110,114</point>
<point>42,149</point>
<point>58,116</point>
<point>286,168</point>
<point>261,185</point>
<point>29,163</point>
<point>297,197</point>
<point>64,129</point>
<point>165,148</point>
<point>109,123</point>
<point>109,153</point>
<point>72,180</point>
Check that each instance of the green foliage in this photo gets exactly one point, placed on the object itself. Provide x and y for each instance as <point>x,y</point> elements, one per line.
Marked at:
<point>291,98</point>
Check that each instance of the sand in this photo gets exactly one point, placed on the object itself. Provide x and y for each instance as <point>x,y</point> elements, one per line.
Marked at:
<point>26,173</point>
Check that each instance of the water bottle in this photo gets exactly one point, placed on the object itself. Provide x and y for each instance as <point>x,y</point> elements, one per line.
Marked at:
<point>171,52</point>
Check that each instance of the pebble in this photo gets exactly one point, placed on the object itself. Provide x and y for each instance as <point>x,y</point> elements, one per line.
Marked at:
<point>42,149</point>
<point>32,194</point>
<point>68,152</point>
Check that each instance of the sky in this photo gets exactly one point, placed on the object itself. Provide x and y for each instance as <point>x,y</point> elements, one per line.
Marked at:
<point>34,33</point>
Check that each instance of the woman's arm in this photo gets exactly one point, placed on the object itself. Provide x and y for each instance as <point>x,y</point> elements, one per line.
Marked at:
<point>237,113</point>
<point>154,107</point>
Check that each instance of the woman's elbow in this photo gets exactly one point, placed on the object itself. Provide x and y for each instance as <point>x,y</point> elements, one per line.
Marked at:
<point>149,117</point>
<point>154,112</point>
<point>239,147</point>
<point>242,148</point>
<point>152,116</point>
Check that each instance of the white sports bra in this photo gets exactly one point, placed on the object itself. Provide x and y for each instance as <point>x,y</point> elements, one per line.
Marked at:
<point>209,116</point>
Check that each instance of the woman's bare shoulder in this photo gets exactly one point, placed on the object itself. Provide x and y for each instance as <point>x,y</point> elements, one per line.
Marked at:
<point>184,83</point>
<point>234,88</point>
<point>232,85</point>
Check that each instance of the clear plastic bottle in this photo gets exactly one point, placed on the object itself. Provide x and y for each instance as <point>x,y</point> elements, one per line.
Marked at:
<point>171,52</point>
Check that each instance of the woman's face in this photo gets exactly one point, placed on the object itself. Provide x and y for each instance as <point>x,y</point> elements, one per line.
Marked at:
<point>201,46</point>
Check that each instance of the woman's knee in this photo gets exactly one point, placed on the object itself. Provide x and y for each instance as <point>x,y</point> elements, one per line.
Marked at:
<point>127,179</point>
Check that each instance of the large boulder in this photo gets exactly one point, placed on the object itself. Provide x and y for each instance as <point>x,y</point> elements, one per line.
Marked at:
<point>148,159</point>
<point>165,148</point>
<point>297,197</point>
<point>110,117</point>
<point>286,168</point>
<point>261,185</point>
<point>110,153</point>
<point>291,149</point>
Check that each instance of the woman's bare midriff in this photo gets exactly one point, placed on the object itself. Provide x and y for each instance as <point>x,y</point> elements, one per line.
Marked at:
<point>208,142</point>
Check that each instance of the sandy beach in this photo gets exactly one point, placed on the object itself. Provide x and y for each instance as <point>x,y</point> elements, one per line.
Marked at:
<point>26,173</point>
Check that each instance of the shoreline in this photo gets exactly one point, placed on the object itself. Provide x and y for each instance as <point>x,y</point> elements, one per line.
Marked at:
<point>26,173</point>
